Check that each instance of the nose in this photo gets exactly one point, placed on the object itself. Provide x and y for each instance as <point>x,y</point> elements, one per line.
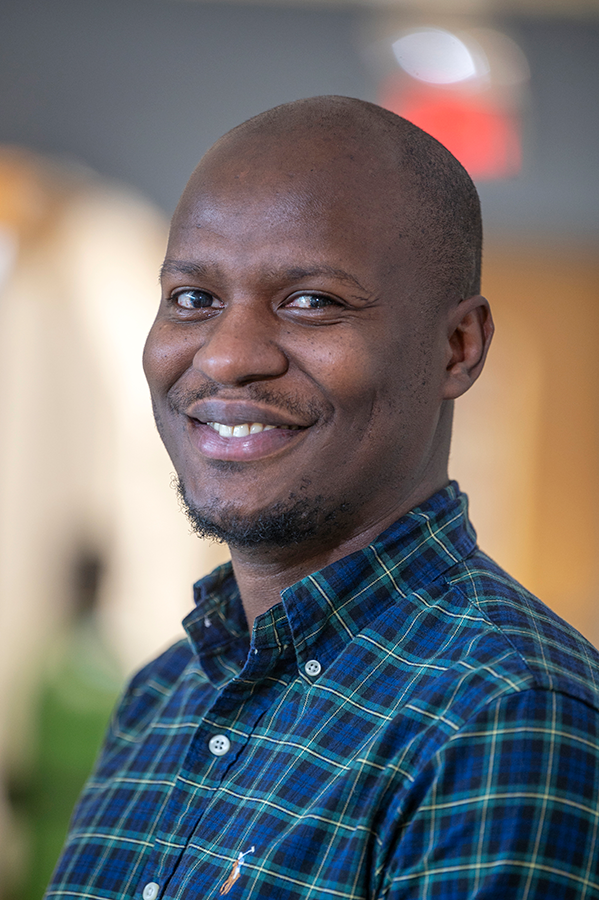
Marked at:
<point>241,346</point>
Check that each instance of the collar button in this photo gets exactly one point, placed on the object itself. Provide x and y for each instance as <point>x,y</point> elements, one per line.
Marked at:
<point>312,668</point>
<point>219,744</point>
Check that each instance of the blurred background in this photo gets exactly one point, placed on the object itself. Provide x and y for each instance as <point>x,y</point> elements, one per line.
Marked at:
<point>105,108</point>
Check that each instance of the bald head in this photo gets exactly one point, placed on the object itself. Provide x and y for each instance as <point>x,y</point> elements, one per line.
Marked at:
<point>423,198</point>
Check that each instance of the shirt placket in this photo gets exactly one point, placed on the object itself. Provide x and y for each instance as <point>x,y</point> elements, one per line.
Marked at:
<point>216,747</point>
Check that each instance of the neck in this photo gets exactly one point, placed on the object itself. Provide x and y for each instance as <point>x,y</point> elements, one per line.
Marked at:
<point>263,572</point>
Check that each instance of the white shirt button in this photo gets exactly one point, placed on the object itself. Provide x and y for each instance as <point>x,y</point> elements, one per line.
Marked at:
<point>312,668</point>
<point>219,744</point>
<point>151,890</point>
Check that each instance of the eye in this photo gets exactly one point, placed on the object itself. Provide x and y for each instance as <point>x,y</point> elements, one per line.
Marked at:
<point>311,301</point>
<point>196,299</point>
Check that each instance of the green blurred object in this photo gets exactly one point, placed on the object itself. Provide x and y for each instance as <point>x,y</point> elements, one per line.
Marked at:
<point>75,700</point>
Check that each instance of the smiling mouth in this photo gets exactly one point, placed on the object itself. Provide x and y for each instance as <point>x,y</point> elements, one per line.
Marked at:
<point>246,428</point>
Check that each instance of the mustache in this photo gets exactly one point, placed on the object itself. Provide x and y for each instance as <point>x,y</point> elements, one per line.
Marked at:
<point>179,399</point>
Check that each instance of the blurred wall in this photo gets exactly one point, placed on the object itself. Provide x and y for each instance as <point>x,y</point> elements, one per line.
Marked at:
<point>139,89</point>
<point>557,195</point>
<point>526,436</point>
<point>96,562</point>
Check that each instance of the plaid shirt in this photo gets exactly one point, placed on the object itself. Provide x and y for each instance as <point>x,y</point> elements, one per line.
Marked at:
<point>408,722</point>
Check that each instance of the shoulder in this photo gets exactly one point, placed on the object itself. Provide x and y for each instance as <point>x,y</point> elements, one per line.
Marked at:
<point>473,636</point>
<point>549,653</point>
<point>153,688</point>
<point>161,672</point>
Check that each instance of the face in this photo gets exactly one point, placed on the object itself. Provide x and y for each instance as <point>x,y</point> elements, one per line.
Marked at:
<point>293,372</point>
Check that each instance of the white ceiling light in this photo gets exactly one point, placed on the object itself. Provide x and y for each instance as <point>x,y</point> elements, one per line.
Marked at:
<point>438,56</point>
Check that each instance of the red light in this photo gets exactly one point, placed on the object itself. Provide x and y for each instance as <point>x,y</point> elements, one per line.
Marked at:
<point>484,137</point>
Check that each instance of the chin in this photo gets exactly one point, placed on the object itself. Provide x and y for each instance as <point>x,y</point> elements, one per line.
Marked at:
<point>284,524</point>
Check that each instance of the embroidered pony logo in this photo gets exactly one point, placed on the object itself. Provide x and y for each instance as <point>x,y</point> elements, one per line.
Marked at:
<point>236,871</point>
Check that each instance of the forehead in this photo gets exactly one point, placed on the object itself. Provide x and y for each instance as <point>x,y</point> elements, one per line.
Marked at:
<point>294,194</point>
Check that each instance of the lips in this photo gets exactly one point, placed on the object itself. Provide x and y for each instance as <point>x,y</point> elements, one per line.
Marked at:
<point>240,431</point>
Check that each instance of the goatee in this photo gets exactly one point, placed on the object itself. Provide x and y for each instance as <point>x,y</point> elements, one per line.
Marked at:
<point>282,525</point>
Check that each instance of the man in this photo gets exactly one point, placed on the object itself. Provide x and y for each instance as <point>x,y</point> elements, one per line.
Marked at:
<point>366,705</point>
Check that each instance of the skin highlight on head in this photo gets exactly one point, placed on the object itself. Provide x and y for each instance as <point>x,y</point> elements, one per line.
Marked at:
<point>320,287</point>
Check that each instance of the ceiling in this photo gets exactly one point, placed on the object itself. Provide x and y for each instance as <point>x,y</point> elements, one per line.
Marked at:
<point>507,7</point>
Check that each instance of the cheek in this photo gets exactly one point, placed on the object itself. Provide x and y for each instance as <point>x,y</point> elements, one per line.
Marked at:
<point>166,356</point>
<point>347,377</point>
<point>408,391</point>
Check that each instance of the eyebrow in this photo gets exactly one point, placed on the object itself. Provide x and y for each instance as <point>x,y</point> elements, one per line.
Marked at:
<point>297,273</point>
<point>294,273</point>
<point>180,267</point>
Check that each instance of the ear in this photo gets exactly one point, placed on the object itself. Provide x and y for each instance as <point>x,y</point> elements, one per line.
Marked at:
<point>470,329</point>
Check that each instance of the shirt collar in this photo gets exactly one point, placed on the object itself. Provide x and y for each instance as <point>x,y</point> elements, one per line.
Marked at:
<point>324,611</point>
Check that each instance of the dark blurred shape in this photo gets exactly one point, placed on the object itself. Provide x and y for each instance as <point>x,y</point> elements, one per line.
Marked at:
<point>87,573</point>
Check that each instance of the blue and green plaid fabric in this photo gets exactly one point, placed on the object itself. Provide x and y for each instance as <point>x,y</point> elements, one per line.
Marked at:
<point>407,723</point>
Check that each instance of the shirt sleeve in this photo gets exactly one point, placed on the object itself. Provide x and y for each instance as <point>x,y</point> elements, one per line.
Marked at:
<point>507,809</point>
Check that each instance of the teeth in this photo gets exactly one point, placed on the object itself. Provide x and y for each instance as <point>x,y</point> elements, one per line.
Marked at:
<point>243,430</point>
